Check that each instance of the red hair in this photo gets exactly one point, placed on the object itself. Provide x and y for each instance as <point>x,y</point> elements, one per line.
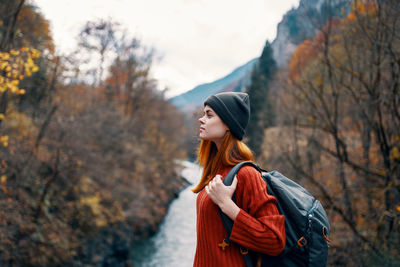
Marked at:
<point>231,152</point>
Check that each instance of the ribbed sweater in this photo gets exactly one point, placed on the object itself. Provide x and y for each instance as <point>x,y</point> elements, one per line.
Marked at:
<point>258,226</point>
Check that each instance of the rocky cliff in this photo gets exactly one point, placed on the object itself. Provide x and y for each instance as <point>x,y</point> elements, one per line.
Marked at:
<point>303,22</point>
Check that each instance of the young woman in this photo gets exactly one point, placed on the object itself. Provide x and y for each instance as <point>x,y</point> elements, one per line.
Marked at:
<point>257,223</point>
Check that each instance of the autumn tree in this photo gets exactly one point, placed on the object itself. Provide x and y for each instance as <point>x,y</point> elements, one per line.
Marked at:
<point>342,100</point>
<point>129,80</point>
<point>83,170</point>
<point>97,40</point>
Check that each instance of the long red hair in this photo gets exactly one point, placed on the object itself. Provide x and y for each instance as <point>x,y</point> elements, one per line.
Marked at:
<point>231,152</point>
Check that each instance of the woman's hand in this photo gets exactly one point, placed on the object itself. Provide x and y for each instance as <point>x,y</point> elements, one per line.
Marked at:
<point>221,195</point>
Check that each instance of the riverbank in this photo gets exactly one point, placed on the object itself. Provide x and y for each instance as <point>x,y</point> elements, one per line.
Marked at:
<point>175,242</point>
<point>112,245</point>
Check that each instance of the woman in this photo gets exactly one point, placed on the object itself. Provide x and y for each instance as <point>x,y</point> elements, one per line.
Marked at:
<point>257,223</point>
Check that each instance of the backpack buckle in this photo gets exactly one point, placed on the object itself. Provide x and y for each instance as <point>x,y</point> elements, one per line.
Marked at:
<point>302,241</point>
<point>223,244</point>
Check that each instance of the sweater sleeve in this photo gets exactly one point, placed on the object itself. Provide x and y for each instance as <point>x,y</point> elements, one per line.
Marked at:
<point>258,226</point>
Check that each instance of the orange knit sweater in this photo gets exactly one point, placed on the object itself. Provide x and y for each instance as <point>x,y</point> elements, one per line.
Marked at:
<point>257,227</point>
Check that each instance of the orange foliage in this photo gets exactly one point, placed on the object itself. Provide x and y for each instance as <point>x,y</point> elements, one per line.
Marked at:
<point>362,8</point>
<point>307,51</point>
<point>36,29</point>
<point>348,65</point>
<point>123,74</point>
<point>304,53</point>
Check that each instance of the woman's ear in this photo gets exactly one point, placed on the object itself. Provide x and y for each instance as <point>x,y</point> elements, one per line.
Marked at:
<point>226,127</point>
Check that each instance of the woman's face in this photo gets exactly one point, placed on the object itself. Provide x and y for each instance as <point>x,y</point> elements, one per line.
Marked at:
<point>212,128</point>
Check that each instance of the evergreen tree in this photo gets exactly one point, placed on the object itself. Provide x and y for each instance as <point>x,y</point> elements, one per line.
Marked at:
<point>262,112</point>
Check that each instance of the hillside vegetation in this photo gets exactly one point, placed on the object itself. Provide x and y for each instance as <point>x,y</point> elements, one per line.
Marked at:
<point>337,130</point>
<point>87,150</point>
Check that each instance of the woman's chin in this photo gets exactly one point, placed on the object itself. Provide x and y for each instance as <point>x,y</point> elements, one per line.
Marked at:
<point>203,137</point>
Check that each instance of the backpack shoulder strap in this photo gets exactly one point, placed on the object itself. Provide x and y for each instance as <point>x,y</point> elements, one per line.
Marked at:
<point>231,174</point>
<point>228,223</point>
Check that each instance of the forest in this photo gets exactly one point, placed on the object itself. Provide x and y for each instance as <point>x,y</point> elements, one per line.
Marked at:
<point>90,148</point>
<point>85,156</point>
<point>332,122</point>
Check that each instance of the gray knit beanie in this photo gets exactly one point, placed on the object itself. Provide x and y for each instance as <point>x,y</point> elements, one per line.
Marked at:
<point>234,110</point>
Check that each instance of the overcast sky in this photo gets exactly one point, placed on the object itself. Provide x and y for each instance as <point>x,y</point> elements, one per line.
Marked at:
<point>199,41</point>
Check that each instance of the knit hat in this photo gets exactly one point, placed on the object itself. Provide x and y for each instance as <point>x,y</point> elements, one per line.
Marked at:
<point>234,110</point>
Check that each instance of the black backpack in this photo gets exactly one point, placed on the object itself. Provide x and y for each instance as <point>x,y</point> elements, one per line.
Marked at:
<point>306,223</point>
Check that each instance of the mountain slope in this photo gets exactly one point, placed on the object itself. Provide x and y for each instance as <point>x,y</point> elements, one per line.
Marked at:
<point>236,81</point>
<point>297,25</point>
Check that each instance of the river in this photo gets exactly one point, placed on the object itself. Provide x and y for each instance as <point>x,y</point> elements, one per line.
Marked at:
<point>175,242</point>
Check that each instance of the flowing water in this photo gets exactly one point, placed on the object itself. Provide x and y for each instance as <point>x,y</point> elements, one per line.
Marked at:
<point>175,243</point>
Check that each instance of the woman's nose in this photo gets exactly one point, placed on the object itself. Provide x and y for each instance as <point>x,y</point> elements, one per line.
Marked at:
<point>201,120</point>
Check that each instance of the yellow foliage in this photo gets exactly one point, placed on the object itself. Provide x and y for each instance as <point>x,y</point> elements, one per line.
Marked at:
<point>22,126</point>
<point>93,200</point>
<point>12,67</point>
<point>4,56</point>
<point>13,86</point>
<point>3,65</point>
<point>395,153</point>
<point>16,65</point>
<point>86,183</point>
<point>14,52</point>
<point>4,140</point>
<point>35,53</point>
<point>3,179</point>
<point>361,7</point>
